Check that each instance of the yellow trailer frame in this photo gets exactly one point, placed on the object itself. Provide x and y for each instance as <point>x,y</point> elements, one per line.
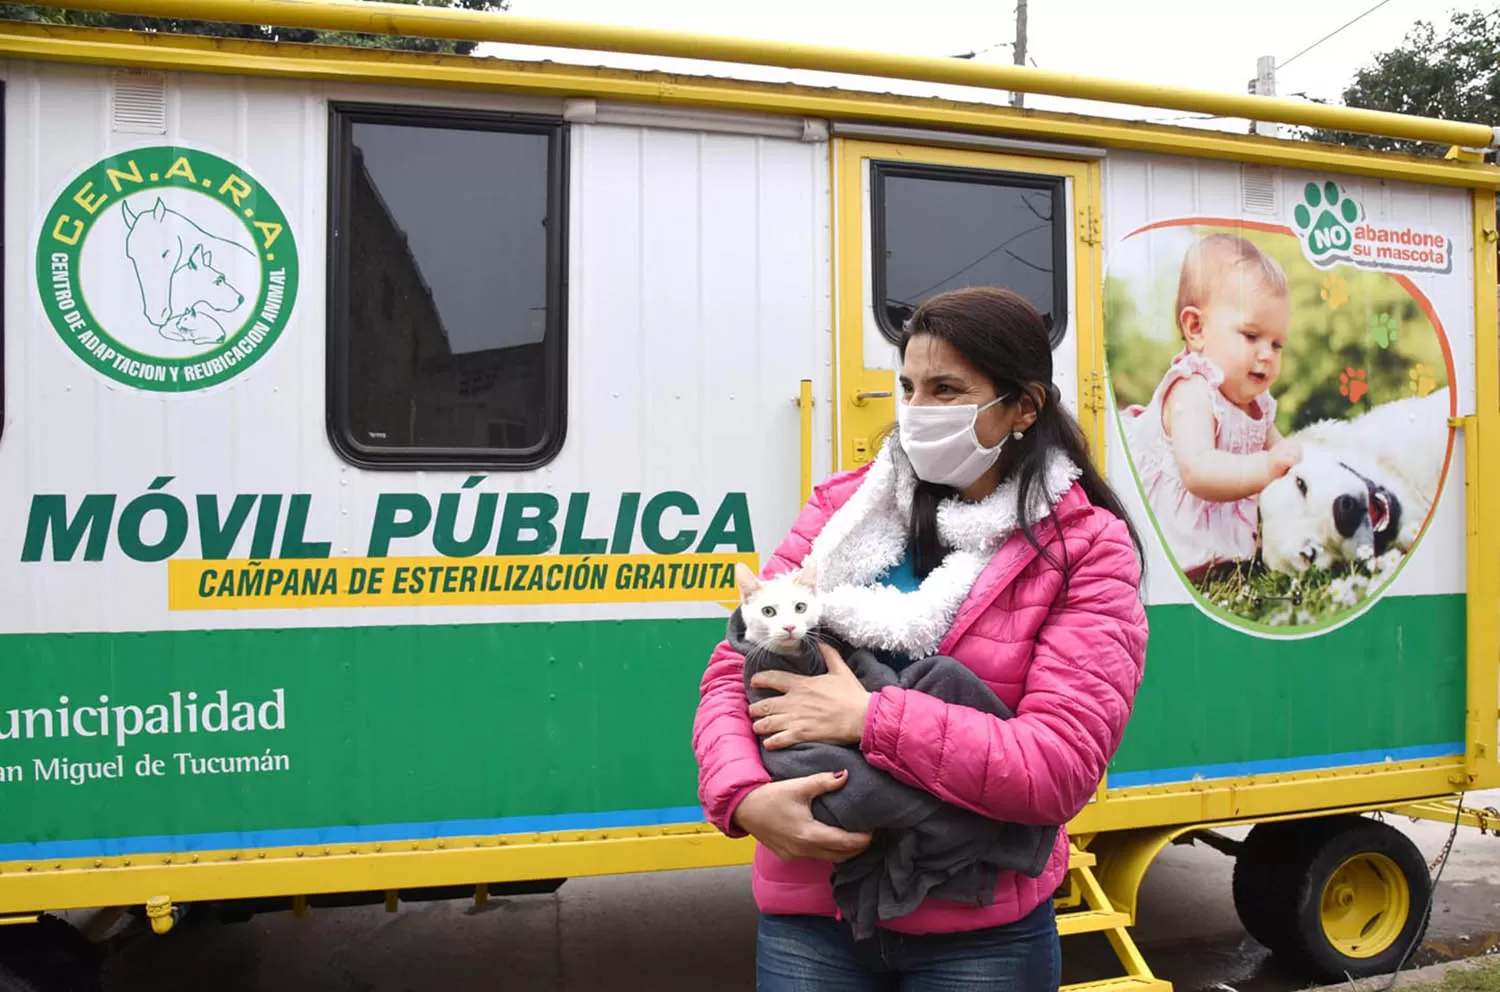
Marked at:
<point>1119,834</point>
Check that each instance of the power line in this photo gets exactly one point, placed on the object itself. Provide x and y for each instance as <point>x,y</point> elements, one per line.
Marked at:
<point>1335,31</point>
<point>919,294</point>
<point>983,51</point>
<point>1190,117</point>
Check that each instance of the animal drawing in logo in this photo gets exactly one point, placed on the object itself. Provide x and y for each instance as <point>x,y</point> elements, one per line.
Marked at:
<point>181,271</point>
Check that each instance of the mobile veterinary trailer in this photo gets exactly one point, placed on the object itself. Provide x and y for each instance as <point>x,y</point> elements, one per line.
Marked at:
<point>380,431</point>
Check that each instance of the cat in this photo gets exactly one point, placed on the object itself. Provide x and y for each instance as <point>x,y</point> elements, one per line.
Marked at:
<point>923,846</point>
<point>780,627</point>
<point>781,613</point>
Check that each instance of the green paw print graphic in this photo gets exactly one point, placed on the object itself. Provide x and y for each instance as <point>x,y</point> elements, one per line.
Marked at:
<point>1323,218</point>
<point>1383,329</point>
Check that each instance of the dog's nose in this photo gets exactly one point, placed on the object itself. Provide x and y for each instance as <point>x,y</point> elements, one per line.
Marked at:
<point>1348,514</point>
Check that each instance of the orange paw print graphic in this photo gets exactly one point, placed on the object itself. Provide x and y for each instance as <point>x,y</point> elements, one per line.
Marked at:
<point>1422,381</point>
<point>1335,291</point>
<point>1352,384</point>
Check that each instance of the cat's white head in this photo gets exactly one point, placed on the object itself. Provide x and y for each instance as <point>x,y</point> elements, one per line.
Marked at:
<point>779,612</point>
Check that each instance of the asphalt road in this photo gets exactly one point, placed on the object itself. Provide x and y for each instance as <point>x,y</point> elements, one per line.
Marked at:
<point>680,931</point>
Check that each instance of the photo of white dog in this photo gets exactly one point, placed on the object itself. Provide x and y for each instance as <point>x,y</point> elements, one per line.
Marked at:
<point>1290,491</point>
<point>1364,487</point>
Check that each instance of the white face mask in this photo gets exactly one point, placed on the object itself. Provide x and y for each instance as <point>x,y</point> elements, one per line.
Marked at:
<point>941,444</point>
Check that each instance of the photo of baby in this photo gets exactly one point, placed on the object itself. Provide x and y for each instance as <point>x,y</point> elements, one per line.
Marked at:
<point>1256,396</point>
<point>1207,444</point>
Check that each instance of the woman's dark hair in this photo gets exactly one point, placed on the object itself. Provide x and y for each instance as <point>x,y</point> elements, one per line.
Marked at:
<point>1005,338</point>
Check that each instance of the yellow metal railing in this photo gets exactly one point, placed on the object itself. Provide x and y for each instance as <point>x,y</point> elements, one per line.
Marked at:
<point>478,26</point>
<point>805,404</point>
<point>1482,533</point>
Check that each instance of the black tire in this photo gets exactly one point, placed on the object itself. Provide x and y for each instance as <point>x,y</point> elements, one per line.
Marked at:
<point>50,955</point>
<point>1388,860</point>
<point>12,982</point>
<point>1268,873</point>
<point>1255,868</point>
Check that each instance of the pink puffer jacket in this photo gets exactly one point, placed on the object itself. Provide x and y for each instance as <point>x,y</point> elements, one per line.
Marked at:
<point>1067,666</point>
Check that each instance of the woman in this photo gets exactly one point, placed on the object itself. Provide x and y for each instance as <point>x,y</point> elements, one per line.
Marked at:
<point>980,531</point>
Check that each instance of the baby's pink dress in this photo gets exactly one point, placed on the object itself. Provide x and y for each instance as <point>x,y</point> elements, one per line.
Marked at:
<point>1198,532</point>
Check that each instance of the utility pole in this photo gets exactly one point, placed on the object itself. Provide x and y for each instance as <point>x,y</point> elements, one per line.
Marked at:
<point>1264,84</point>
<point>1018,99</point>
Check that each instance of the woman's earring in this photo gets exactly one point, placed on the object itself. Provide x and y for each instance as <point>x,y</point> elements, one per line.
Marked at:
<point>1017,435</point>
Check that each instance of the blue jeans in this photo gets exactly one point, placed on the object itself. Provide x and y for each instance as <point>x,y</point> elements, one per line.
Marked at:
<point>819,954</point>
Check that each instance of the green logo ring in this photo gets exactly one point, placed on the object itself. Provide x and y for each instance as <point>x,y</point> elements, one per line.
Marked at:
<point>228,351</point>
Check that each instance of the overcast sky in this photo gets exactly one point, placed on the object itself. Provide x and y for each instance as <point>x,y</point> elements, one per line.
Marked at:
<point>1198,43</point>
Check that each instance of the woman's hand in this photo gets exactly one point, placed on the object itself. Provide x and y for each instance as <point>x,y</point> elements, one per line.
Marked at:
<point>779,815</point>
<point>828,709</point>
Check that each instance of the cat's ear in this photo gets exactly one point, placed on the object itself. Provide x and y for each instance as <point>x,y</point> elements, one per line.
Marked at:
<point>748,583</point>
<point>808,577</point>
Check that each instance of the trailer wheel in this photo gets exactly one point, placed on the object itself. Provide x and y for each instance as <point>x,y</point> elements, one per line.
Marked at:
<point>1268,872</point>
<point>1259,885</point>
<point>50,955</point>
<point>1362,902</point>
<point>12,982</point>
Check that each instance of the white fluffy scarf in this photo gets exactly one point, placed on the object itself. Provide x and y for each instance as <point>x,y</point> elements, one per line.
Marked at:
<point>868,535</point>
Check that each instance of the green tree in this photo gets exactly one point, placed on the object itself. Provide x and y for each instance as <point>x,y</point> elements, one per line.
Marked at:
<point>1453,75</point>
<point>253,32</point>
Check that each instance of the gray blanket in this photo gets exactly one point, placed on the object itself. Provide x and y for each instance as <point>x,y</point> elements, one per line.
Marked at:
<point>922,846</point>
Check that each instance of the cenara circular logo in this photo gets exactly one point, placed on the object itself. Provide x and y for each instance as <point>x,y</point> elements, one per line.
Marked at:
<point>167,268</point>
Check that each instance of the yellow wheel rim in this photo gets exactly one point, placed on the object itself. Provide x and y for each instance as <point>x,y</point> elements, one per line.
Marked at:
<point>1366,904</point>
